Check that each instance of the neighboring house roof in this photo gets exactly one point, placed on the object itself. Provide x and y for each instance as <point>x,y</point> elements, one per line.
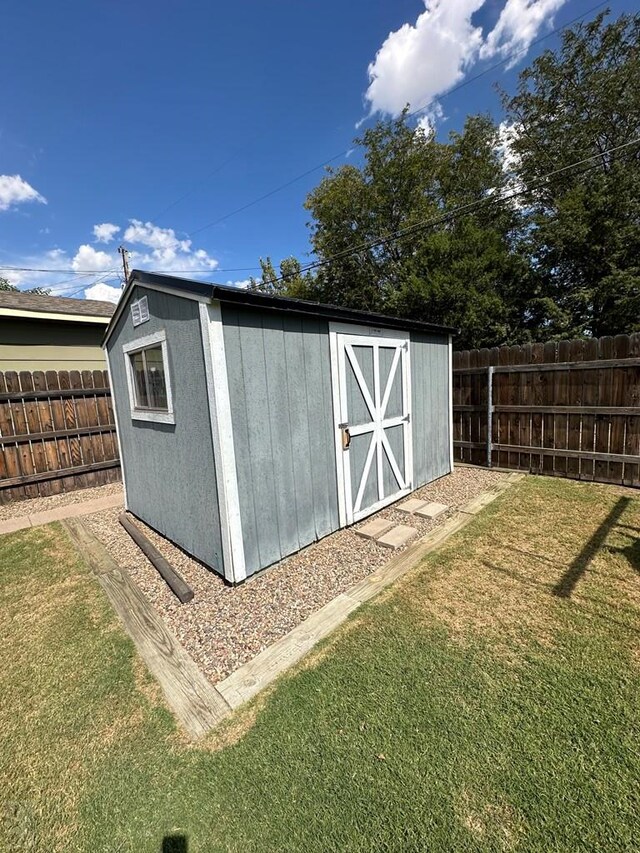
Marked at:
<point>16,303</point>
<point>255,299</point>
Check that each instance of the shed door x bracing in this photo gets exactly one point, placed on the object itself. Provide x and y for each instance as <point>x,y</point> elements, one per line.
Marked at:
<point>372,408</point>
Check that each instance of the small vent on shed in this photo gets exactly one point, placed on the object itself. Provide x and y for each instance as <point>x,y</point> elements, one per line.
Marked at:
<point>140,311</point>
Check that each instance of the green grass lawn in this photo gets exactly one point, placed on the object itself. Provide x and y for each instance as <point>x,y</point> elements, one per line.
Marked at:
<point>489,702</point>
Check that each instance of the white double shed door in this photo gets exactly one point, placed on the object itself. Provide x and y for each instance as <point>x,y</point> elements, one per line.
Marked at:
<point>371,378</point>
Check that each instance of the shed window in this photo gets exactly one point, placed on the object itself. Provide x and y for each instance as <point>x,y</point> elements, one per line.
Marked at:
<point>150,384</point>
<point>147,367</point>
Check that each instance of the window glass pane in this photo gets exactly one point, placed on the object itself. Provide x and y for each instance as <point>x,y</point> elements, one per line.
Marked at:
<point>149,379</point>
<point>137,365</point>
<point>155,378</point>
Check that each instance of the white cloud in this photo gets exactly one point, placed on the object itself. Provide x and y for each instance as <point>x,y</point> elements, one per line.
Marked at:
<point>105,232</point>
<point>421,61</point>
<point>427,122</point>
<point>518,25</point>
<point>148,234</point>
<point>507,133</point>
<point>103,292</point>
<point>168,252</point>
<point>150,247</point>
<point>88,259</point>
<point>15,190</point>
<point>242,285</point>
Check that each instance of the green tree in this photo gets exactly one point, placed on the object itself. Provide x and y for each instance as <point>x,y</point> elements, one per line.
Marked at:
<point>396,188</point>
<point>427,229</point>
<point>468,271</point>
<point>290,281</point>
<point>464,272</point>
<point>583,232</point>
<point>5,285</point>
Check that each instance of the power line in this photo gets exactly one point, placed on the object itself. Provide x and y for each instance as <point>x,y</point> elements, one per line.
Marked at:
<point>81,273</point>
<point>412,114</point>
<point>447,217</point>
<point>99,280</point>
<point>395,235</point>
<point>267,195</point>
<point>195,187</point>
<point>299,177</point>
<point>58,284</point>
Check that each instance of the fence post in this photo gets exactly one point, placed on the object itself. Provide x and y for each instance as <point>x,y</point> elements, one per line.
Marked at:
<point>489,414</point>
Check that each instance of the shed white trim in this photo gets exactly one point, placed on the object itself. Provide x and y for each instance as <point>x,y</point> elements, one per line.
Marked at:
<point>152,415</point>
<point>450,403</point>
<point>223,444</point>
<point>335,394</point>
<point>115,415</point>
<point>371,331</point>
<point>54,315</point>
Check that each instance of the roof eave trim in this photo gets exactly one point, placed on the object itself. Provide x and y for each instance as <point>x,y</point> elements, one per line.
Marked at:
<point>202,290</point>
<point>26,314</point>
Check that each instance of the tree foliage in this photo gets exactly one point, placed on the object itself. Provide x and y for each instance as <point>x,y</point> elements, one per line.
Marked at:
<point>429,229</point>
<point>5,285</point>
<point>583,239</point>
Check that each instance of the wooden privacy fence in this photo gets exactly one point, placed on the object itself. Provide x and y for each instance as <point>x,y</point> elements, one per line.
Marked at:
<point>570,408</point>
<point>57,433</point>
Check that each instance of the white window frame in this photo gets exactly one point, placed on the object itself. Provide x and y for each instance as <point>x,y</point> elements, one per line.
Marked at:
<point>129,349</point>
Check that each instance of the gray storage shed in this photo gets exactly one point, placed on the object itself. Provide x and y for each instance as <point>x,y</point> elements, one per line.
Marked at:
<point>252,425</point>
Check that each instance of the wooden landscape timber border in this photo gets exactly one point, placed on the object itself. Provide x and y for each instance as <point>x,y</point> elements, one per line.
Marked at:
<point>567,408</point>
<point>57,433</point>
<point>196,703</point>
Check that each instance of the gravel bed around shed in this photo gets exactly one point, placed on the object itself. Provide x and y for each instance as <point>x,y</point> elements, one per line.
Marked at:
<point>31,506</point>
<point>224,627</point>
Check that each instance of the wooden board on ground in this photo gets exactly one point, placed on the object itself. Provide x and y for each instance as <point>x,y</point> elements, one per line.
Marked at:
<point>194,701</point>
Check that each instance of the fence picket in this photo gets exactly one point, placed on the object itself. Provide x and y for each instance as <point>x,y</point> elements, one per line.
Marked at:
<point>55,448</point>
<point>590,444</point>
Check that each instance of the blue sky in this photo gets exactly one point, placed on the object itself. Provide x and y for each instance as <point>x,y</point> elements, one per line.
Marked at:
<point>152,123</point>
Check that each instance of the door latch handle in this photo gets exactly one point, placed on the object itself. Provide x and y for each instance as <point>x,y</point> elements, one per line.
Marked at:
<point>346,437</point>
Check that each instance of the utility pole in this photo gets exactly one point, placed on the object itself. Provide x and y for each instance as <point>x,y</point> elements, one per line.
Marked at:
<point>125,263</point>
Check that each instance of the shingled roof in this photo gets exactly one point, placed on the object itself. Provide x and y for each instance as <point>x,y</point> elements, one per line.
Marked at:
<point>20,301</point>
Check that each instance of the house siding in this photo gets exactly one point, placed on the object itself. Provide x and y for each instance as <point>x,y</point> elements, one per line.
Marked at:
<point>169,468</point>
<point>27,344</point>
<point>430,407</point>
<point>279,375</point>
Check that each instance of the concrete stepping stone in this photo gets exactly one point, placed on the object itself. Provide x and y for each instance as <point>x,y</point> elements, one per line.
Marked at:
<point>397,536</point>
<point>412,505</point>
<point>432,510</point>
<point>374,528</point>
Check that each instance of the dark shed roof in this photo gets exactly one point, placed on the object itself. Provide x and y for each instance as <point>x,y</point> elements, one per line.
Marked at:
<point>264,301</point>
<point>21,301</point>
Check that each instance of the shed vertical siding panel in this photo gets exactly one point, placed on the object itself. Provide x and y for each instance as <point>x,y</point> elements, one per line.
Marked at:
<point>430,404</point>
<point>263,484</point>
<point>283,428</point>
<point>283,476</point>
<point>298,415</point>
<point>440,366</point>
<point>317,365</point>
<point>169,468</point>
<point>420,381</point>
<point>240,417</point>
